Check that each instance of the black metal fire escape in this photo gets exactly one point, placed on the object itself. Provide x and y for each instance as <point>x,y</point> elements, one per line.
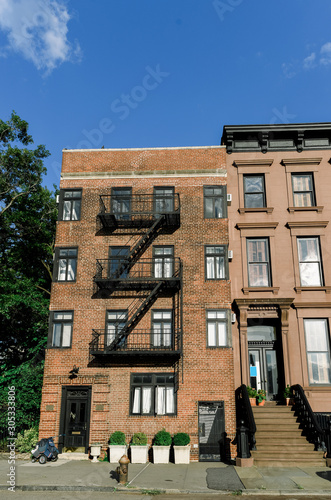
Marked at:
<point>132,274</point>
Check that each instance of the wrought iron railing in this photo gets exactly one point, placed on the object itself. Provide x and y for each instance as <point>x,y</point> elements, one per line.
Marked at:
<point>244,414</point>
<point>144,269</point>
<point>126,206</point>
<point>307,419</point>
<point>139,340</point>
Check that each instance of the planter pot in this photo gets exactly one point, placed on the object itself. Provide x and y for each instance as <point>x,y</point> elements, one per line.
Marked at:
<point>161,454</point>
<point>95,452</point>
<point>116,451</point>
<point>262,403</point>
<point>252,401</point>
<point>182,454</point>
<point>287,401</point>
<point>139,454</point>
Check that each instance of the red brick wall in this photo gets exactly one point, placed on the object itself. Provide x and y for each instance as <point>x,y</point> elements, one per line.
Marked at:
<point>205,374</point>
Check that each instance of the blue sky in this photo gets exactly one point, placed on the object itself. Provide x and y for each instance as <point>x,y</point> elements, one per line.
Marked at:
<point>150,73</point>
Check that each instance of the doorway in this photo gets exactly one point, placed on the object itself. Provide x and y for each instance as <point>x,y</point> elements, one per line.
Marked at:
<point>75,419</point>
<point>211,431</point>
<point>265,358</point>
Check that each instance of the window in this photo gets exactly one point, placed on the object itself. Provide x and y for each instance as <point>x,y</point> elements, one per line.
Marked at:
<point>163,262</point>
<point>162,328</point>
<point>258,262</point>
<point>303,190</point>
<point>61,327</point>
<point>310,261</point>
<point>117,257</point>
<point>217,328</point>
<point>121,203</point>
<point>318,351</point>
<point>215,262</point>
<point>163,200</point>
<point>153,394</point>
<point>214,202</point>
<point>115,322</point>
<point>254,191</point>
<point>70,204</point>
<point>65,264</point>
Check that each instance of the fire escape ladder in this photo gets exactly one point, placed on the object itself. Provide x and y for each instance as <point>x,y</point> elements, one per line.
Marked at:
<point>139,248</point>
<point>136,312</point>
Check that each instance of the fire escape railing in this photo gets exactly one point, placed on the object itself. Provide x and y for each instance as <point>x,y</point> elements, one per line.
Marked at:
<point>126,210</point>
<point>307,419</point>
<point>246,427</point>
<point>124,270</point>
<point>139,341</point>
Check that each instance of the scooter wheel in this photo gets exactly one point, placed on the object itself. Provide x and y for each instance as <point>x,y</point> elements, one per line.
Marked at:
<point>33,460</point>
<point>42,459</point>
<point>54,459</point>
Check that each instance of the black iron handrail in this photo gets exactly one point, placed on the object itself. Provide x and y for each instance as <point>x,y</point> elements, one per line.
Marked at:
<point>244,414</point>
<point>155,269</point>
<point>307,419</point>
<point>138,204</point>
<point>147,340</point>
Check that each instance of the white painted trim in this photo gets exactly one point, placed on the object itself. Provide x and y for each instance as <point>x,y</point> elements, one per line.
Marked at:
<point>107,175</point>
<point>142,149</point>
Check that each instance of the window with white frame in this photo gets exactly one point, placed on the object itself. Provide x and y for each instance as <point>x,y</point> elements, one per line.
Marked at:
<point>163,261</point>
<point>162,328</point>
<point>70,204</point>
<point>153,394</point>
<point>163,199</point>
<point>65,264</point>
<point>61,324</point>
<point>258,262</point>
<point>303,190</point>
<point>115,322</point>
<point>215,262</point>
<point>121,199</point>
<point>318,350</point>
<point>217,328</point>
<point>310,261</point>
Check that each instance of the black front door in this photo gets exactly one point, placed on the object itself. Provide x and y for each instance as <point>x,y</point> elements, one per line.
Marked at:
<point>211,431</point>
<point>75,418</point>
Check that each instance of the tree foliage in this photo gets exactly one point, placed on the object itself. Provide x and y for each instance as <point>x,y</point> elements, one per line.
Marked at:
<point>27,229</point>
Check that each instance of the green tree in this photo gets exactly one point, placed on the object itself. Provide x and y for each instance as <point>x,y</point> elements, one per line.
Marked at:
<point>27,228</point>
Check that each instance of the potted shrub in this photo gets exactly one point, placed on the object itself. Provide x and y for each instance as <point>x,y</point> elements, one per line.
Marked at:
<point>252,394</point>
<point>117,446</point>
<point>182,448</point>
<point>261,397</point>
<point>95,451</point>
<point>287,394</point>
<point>139,448</point>
<point>161,447</point>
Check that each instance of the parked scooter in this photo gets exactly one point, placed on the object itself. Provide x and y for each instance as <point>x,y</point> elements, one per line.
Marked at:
<point>44,451</point>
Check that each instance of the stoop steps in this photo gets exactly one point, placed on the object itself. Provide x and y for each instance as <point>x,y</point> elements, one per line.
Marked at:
<point>279,441</point>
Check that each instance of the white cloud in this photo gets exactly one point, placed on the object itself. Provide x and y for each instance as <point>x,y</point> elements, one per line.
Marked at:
<point>37,29</point>
<point>309,62</point>
<point>326,54</point>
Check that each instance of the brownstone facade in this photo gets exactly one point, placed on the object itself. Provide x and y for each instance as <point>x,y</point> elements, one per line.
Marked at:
<point>174,363</point>
<point>279,230</point>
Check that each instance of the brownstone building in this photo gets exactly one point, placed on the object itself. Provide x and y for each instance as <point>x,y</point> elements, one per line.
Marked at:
<point>279,178</point>
<point>140,314</point>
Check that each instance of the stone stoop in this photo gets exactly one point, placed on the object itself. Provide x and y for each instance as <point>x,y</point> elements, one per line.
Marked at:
<point>279,441</point>
<point>73,456</point>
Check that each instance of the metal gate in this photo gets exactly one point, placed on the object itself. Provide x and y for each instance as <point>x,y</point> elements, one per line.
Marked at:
<point>211,431</point>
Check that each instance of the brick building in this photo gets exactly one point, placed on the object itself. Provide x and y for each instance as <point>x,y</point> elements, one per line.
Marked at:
<point>140,313</point>
<point>279,177</point>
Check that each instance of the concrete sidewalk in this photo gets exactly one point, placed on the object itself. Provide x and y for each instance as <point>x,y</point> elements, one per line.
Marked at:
<point>202,477</point>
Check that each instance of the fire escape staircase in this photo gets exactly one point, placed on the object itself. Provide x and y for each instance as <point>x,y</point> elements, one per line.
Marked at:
<point>124,277</point>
